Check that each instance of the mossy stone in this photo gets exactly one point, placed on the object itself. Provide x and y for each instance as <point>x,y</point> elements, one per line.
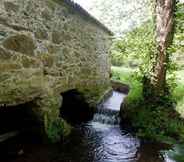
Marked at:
<point>20,43</point>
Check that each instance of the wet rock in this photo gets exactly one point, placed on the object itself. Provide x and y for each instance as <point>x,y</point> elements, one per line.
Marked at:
<point>120,87</point>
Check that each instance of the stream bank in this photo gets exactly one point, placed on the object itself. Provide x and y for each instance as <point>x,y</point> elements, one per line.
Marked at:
<point>102,139</point>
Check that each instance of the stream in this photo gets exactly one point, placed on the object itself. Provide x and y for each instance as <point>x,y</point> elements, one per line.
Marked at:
<point>99,140</point>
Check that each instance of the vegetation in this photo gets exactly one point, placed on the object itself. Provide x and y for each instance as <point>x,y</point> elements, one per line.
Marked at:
<point>127,76</point>
<point>161,123</point>
<point>154,120</point>
<point>155,83</point>
<point>119,16</point>
<point>134,49</point>
<point>177,153</point>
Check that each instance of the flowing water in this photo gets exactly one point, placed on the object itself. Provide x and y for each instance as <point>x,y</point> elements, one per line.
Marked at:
<point>100,140</point>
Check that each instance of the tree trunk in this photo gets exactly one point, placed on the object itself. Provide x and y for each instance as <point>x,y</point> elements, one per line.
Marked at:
<point>164,37</point>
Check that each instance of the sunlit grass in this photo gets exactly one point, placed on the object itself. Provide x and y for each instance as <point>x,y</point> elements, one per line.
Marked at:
<point>161,123</point>
<point>127,76</point>
<point>178,93</point>
<point>122,74</point>
<point>180,76</point>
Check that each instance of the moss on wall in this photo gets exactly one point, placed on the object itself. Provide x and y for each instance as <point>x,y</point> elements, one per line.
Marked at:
<point>46,49</point>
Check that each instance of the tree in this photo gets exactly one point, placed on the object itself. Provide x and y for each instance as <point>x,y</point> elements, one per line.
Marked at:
<point>164,19</point>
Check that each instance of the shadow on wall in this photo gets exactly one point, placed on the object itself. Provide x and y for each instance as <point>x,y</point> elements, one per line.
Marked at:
<point>74,108</point>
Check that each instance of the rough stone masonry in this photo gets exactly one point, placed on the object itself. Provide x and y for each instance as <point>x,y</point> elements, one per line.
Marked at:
<point>48,47</point>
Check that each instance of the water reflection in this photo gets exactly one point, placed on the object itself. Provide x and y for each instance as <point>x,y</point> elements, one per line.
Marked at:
<point>115,145</point>
<point>100,140</point>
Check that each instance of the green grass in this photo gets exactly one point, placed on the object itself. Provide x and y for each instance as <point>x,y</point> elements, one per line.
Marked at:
<point>123,74</point>
<point>178,93</point>
<point>176,153</point>
<point>161,123</point>
<point>133,49</point>
<point>180,76</point>
<point>127,76</point>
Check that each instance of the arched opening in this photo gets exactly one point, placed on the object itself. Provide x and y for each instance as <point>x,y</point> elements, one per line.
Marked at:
<point>74,108</point>
<point>17,126</point>
<point>15,118</point>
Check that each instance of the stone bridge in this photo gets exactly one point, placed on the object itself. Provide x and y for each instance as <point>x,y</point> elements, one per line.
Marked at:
<point>48,47</point>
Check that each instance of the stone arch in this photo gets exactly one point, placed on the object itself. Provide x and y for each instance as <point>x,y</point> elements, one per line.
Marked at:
<point>75,108</point>
<point>17,120</point>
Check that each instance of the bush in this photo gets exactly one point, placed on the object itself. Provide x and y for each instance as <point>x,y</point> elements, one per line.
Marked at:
<point>150,121</point>
<point>176,154</point>
<point>159,121</point>
<point>133,49</point>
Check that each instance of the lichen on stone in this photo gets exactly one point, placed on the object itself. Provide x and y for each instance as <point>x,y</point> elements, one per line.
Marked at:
<point>20,43</point>
<point>47,48</point>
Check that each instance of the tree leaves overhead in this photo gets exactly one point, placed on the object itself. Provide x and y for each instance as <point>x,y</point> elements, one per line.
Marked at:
<point>120,16</point>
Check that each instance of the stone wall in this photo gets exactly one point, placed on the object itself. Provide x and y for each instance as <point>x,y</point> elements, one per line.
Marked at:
<point>48,47</point>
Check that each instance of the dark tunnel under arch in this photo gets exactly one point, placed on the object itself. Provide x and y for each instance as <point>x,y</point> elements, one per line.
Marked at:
<point>74,108</point>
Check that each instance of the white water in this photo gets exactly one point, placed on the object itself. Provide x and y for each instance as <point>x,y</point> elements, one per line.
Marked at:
<point>114,102</point>
<point>96,141</point>
<point>108,112</point>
